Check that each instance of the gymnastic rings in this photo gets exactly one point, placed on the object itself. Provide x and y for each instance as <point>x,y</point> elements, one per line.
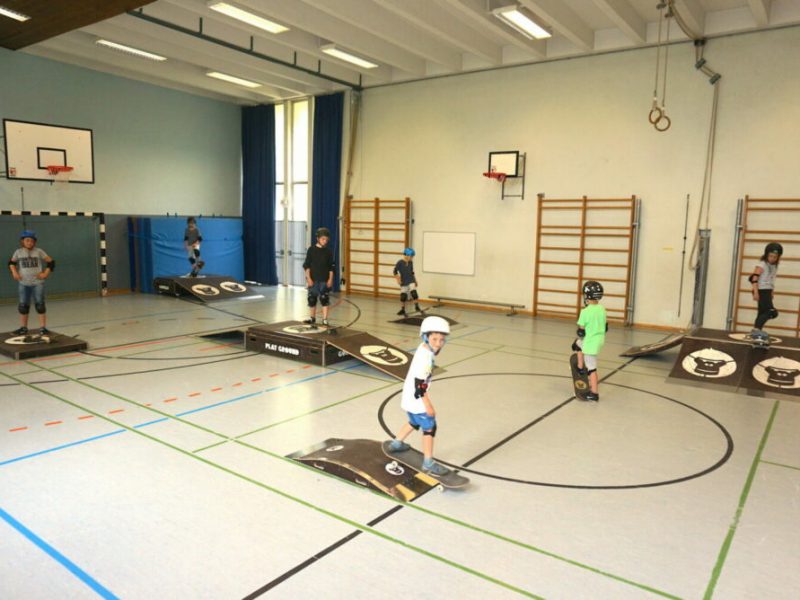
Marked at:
<point>658,118</point>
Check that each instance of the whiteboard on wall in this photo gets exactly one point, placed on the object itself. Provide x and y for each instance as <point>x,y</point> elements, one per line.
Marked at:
<point>449,252</point>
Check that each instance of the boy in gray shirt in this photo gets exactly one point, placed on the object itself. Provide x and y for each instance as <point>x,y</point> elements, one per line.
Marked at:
<point>30,266</point>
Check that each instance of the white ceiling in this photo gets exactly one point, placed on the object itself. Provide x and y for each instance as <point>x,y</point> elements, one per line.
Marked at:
<point>409,39</point>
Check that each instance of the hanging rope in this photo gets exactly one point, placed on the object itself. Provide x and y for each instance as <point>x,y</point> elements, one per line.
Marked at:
<point>658,116</point>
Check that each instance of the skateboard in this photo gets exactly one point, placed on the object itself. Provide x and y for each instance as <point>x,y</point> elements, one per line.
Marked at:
<point>758,342</point>
<point>413,458</point>
<point>580,382</point>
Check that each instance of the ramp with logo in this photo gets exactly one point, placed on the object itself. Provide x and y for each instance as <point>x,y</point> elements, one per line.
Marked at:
<point>732,359</point>
<point>364,463</point>
<point>207,288</point>
<point>323,346</point>
<point>676,339</point>
<point>22,347</point>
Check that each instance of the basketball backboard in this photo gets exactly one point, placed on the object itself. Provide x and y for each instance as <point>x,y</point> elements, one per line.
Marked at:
<point>504,161</point>
<point>33,147</point>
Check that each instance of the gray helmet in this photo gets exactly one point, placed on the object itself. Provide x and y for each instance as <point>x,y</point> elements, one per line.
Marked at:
<point>323,232</point>
<point>774,247</point>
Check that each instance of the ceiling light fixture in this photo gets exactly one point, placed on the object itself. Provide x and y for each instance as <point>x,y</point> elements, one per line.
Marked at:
<point>12,14</point>
<point>332,50</point>
<point>512,16</point>
<point>128,50</point>
<point>232,79</point>
<point>246,17</point>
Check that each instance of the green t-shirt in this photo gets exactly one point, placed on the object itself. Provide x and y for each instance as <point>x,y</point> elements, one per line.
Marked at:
<point>593,320</point>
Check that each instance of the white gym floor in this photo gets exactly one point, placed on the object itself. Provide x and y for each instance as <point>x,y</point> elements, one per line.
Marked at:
<point>153,466</point>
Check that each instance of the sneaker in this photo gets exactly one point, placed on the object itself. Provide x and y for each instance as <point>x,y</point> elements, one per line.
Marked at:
<point>20,331</point>
<point>591,397</point>
<point>402,312</point>
<point>325,322</point>
<point>398,446</point>
<point>435,469</point>
<point>310,321</point>
<point>200,264</point>
<point>416,306</point>
<point>44,331</point>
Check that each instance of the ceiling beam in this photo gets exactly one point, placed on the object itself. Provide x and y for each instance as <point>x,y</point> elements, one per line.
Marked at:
<point>376,20</point>
<point>760,10</point>
<point>432,18</point>
<point>564,20</point>
<point>474,12</point>
<point>625,18</point>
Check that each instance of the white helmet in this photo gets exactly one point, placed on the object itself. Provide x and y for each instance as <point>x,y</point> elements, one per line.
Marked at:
<point>433,324</point>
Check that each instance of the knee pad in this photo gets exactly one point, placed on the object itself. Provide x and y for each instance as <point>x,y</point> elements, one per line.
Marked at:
<point>575,347</point>
<point>590,371</point>
<point>414,295</point>
<point>431,433</point>
<point>192,260</point>
<point>41,308</point>
<point>403,296</point>
<point>24,309</point>
<point>773,313</point>
<point>196,252</point>
<point>324,299</point>
<point>312,299</point>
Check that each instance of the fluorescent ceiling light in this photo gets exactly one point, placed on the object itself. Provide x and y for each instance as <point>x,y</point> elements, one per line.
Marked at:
<point>232,79</point>
<point>12,14</point>
<point>247,17</point>
<point>332,50</point>
<point>129,50</point>
<point>521,22</point>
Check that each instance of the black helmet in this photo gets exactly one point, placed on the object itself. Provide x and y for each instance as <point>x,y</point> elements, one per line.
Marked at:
<point>323,232</point>
<point>774,247</point>
<point>592,290</point>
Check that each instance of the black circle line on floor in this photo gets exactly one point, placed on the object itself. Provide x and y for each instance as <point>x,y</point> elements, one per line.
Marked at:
<point>156,358</point>
<point>466,469</point>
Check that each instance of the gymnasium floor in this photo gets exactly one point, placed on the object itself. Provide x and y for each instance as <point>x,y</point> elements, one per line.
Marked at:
<point>154,467</point>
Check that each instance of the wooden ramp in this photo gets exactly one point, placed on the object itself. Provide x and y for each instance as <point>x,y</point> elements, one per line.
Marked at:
<point>668,342</point>
<point>374,352</point>
<point>364,463</point>
<point>207,288</point>
<point>730,359</point>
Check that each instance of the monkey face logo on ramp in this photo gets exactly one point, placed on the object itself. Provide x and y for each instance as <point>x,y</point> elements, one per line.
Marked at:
<point>233,286</point>
<point>203,289</point>
<point>383,355</point>
<point>709,364</point>
<point>22,340</point>
<point>778,372</point>
<point>304,329</point>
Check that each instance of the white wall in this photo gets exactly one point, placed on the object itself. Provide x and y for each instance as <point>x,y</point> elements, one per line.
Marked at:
<point>583,124</point>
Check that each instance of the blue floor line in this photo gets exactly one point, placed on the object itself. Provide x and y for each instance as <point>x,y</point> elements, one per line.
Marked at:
<point>62,447</point>
<point>57,556</point>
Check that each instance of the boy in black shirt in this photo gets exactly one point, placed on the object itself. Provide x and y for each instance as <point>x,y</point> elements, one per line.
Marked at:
<point>407,280</point>
<point>319,268</point>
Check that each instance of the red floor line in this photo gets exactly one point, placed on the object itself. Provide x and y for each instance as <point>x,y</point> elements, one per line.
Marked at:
<point>274,374</point>
<point>113,412</point>
<point>53,423</point>
<point>140,344</point>
<point>193,394</point>
<point>216,389</point>
<point>237,384</point>
<point>54,357</point>
<point>256,379</point>
<point>18,429</point>
<point>86,417</point>
<point>220,346</point>
<point>291,371</point>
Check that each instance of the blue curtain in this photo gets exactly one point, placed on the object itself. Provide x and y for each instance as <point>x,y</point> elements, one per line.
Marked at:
<point>327,168</point>
<point>258,193</point>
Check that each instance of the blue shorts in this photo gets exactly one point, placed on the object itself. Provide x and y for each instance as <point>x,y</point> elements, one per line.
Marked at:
<point>26,292</point>
<point>424,420</point>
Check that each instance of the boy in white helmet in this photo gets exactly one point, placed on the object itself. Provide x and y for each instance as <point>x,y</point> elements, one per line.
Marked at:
<point>416,400</point>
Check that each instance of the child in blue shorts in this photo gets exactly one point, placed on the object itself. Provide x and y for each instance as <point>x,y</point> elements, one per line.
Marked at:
<point>30,266</point>
<point>416,401</point>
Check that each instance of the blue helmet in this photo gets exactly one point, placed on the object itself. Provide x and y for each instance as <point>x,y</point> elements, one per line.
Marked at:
<point>409,252</point>
<point>27,233</point>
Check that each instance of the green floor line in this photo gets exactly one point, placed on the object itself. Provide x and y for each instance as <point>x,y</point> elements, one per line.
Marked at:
<point>769,462</point>
<point>354,485</point>
<point>726,544</point>
<point>295,499</point>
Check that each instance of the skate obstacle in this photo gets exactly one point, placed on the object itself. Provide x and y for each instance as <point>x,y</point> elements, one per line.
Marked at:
<point>22,347</point>
<point>732,359</point>
<point>676,339</point>
<point>364,463</point>
<point>206,288</point>
<point>324,346</point>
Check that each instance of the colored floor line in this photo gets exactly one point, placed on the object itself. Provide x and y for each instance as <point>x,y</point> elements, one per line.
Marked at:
<point>498,536</point>
<point>305,503</point>
<point>726,544</point>
<point>96,586</point>
<point>769,462</point>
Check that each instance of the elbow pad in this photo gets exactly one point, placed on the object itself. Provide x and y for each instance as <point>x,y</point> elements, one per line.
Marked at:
<point>51,265</point>
<point>199,238</point>
<point>581,332</point>
<point>606,327</point>
<point>11,263</point>
<point>420,388</point>
<point>753,278</point>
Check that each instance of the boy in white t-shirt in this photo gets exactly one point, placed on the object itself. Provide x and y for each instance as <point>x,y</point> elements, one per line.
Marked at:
<point>416,400</point>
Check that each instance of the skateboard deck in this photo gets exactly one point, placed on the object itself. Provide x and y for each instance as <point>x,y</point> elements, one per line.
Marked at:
<point>757,342</point>
<point>413,458</point>
<point>579,382</point>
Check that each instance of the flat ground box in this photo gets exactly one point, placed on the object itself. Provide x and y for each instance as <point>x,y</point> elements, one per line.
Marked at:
<point>297,341</point>
<point>58,344</point>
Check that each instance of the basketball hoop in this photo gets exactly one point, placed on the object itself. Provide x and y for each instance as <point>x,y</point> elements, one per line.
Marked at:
<point>59,173</point>
<point>501,177</point>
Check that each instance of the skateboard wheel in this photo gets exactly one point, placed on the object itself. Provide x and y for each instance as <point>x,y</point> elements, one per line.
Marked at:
<point>440,488</point>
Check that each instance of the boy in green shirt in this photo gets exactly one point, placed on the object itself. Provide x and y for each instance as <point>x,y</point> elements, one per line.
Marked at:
<point>592,327</point>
